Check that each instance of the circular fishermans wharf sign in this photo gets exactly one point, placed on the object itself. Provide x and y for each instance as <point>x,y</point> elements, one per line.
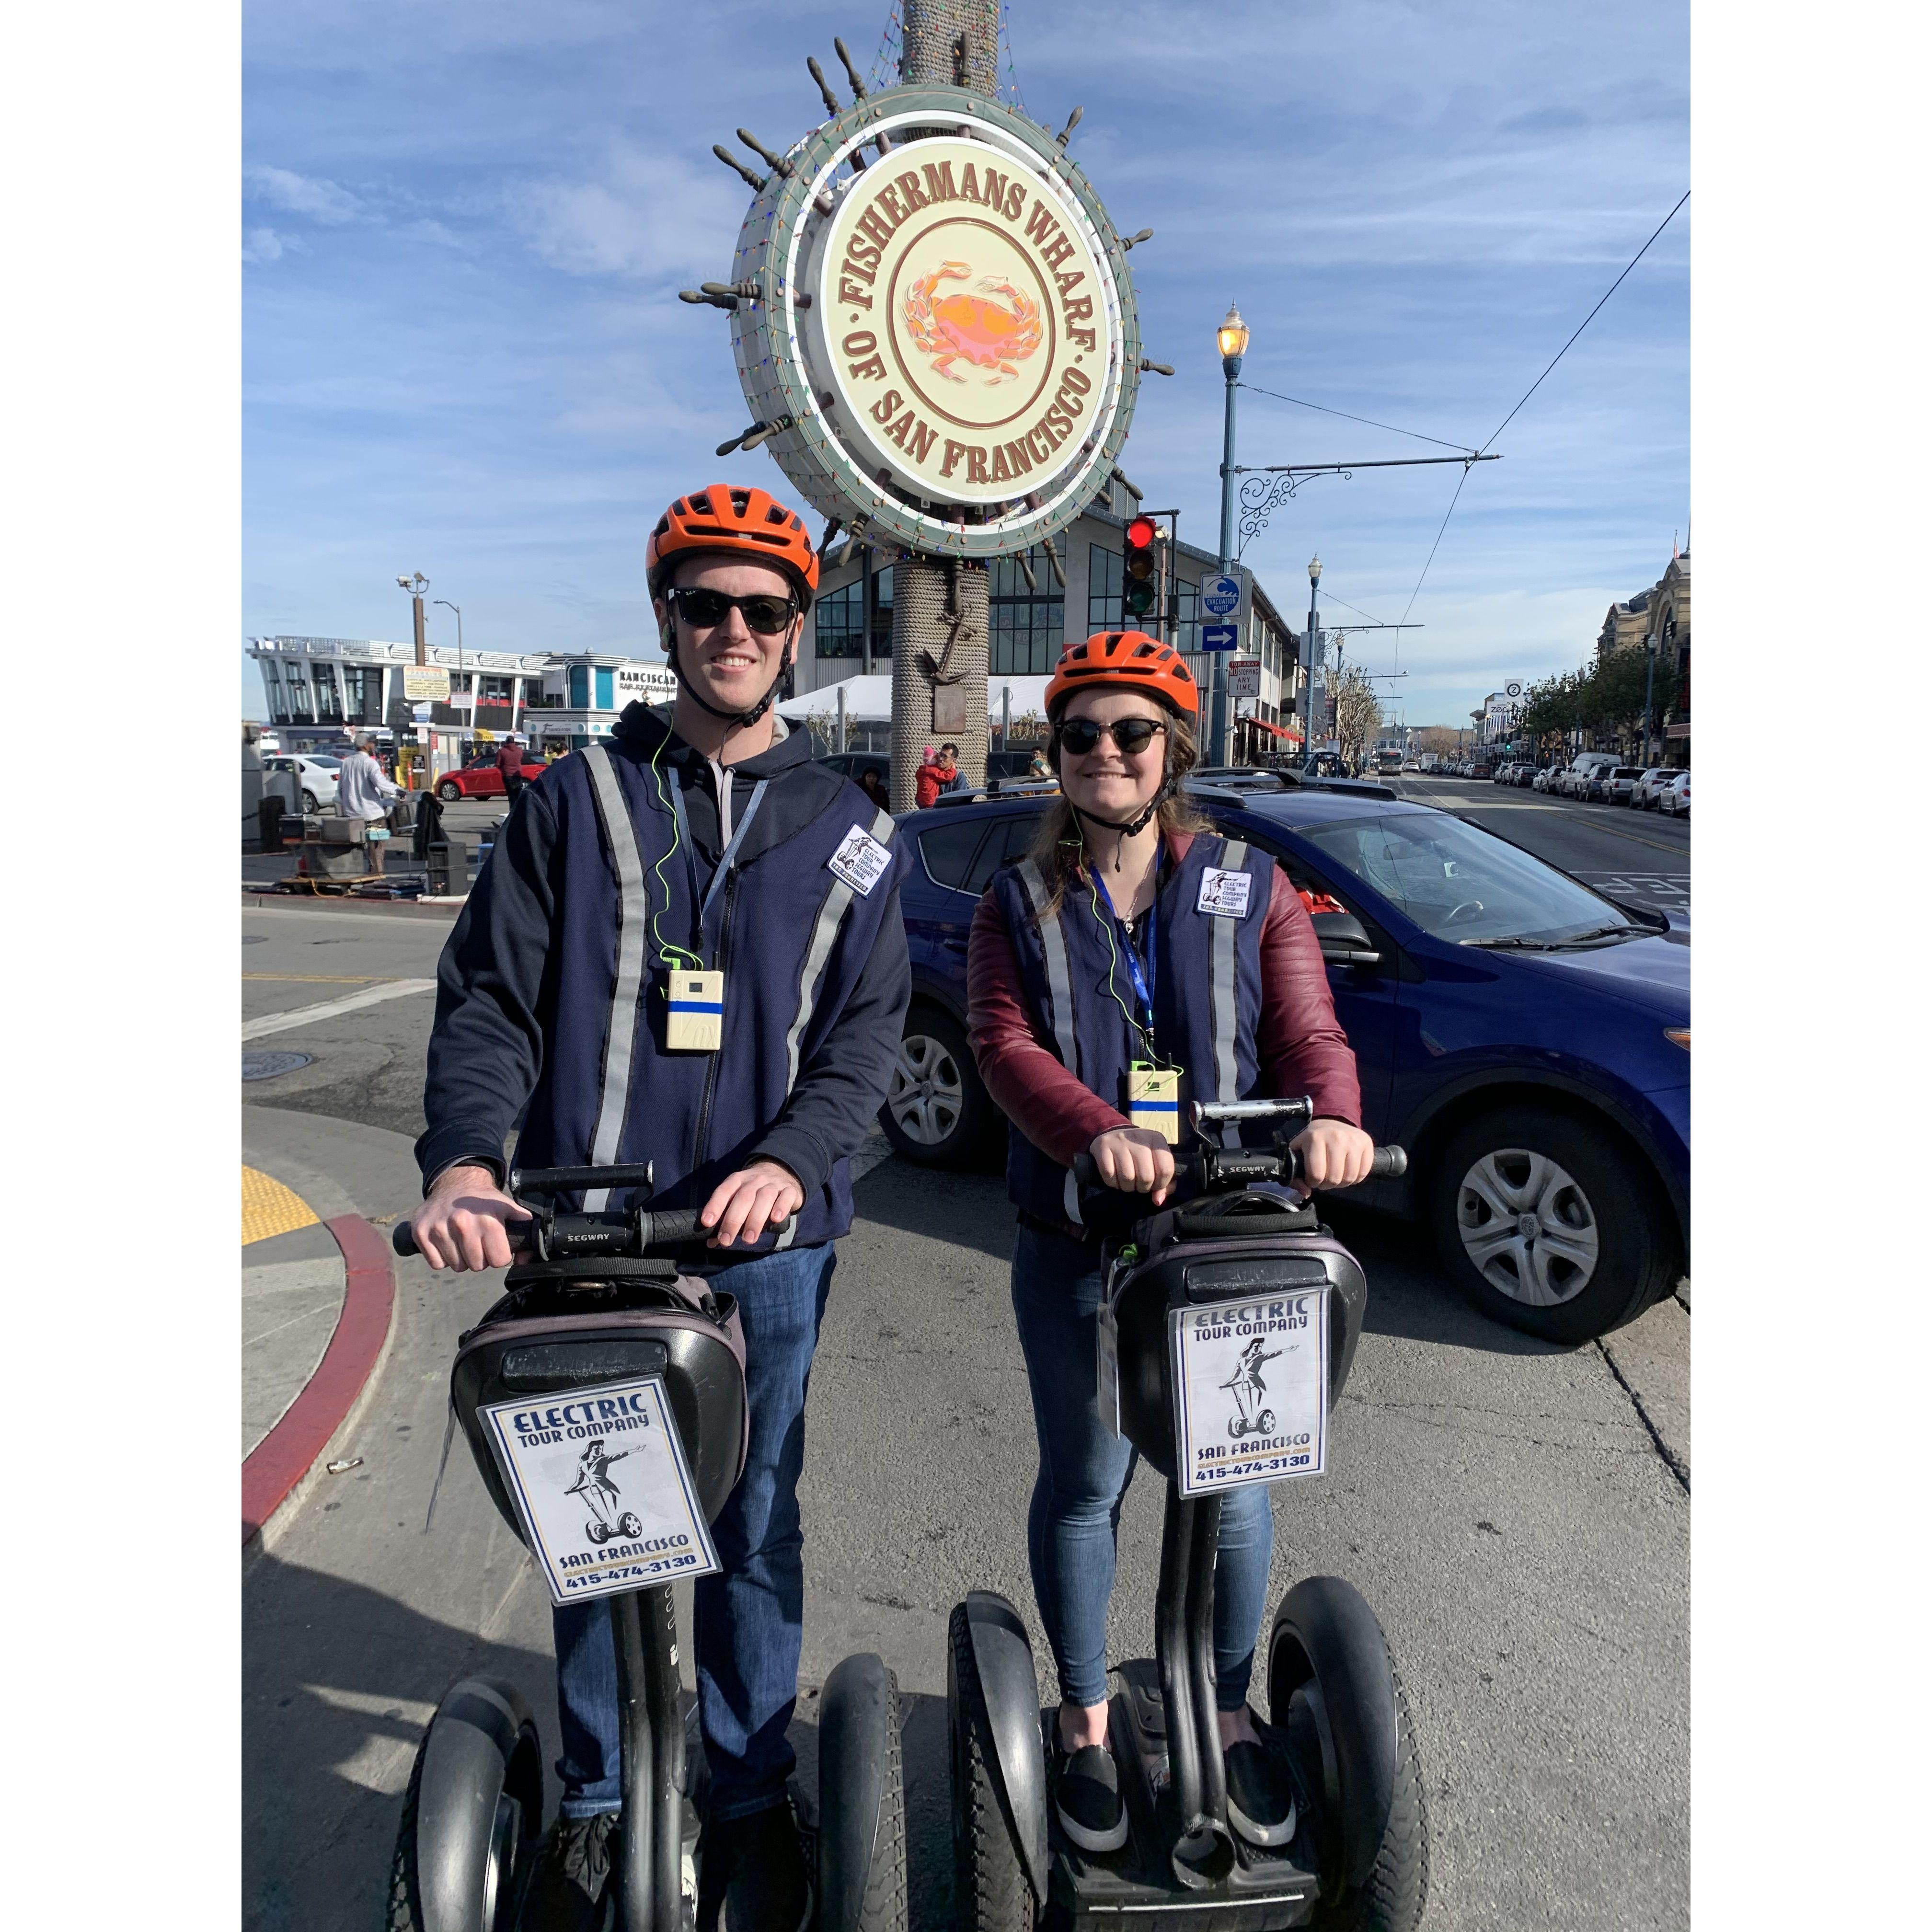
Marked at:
<point>945,340</point>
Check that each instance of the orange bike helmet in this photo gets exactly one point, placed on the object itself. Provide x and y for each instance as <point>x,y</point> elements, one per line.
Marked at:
<point>1125,661</point>
<point>728,519</point>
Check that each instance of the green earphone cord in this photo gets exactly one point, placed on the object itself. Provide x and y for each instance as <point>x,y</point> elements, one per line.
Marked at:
<point>668,954</point>
<point>1113,953</point>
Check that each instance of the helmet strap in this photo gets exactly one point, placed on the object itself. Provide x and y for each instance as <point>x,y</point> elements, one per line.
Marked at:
<point>1129,828</point>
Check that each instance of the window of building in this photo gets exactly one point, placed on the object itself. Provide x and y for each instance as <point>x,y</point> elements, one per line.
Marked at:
<point>328,695</point>
<point>1105,575</point>
<point>838,617</point>
<point>1027,620</point>
<point>298,684</point>
<point>496,691</point>
<point>272,689</point>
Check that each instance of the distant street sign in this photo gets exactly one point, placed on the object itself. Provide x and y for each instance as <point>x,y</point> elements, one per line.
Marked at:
<point>1513,690</point>
<point>1220,596</point>
<point>1220,636</point>
<point>1244,677</point>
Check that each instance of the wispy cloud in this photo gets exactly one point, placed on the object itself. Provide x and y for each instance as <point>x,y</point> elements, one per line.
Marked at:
<point>640,215</point>
<point>323,201</point>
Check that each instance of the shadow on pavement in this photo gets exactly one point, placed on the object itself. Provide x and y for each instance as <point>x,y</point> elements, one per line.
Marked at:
<point>965,1210</point>
<point>338,1683</point>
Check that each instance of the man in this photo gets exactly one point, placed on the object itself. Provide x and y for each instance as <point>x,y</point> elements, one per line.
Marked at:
<point>716,844</point>
<point>951,778</point>
<point>360,787</point>
<point>510,767</point>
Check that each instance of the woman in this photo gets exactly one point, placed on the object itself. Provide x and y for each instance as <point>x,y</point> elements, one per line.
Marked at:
<point>1172,947</point>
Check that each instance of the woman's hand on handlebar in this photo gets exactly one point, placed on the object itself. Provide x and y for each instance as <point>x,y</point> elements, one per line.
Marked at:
<point>1136,1160</point>
<point>1333,1154</point>
<point>766,1193</point>
<point>461,1224</point>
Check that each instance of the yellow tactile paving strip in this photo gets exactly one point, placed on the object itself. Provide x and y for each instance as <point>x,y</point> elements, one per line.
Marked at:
<point>269,1208</point>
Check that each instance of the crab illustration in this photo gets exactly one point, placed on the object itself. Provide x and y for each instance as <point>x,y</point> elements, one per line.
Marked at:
<point>988,334</point>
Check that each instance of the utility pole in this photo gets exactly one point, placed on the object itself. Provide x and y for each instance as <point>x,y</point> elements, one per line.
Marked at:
<point>416,586</point>
<point>1649,672</point>
<point>941,615</point>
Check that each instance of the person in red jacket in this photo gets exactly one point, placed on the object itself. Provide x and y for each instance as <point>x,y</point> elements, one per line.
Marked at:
<point>510,766</point>
<point>928,782</point>
<point>1132,936</point>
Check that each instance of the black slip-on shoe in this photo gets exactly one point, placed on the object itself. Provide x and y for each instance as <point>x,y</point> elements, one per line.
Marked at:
<point>1087,1799</point>
<point>568,1893</point>
<point>753,1875</point>
<point>1260,1801</point>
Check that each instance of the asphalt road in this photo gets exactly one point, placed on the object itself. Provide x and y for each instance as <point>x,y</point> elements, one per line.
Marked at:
<point>1635,855</point>
<point>1519,1515</point>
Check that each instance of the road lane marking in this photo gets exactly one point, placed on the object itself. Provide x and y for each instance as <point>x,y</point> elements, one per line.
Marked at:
<point>391,989</point>
<point>321,979</point>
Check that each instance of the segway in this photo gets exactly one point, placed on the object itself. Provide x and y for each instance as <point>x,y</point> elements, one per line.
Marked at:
<point>1239,1257</point>
<point>596,1321</point>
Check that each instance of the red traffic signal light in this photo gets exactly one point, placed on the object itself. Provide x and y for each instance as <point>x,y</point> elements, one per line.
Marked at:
<point>1139,595</point>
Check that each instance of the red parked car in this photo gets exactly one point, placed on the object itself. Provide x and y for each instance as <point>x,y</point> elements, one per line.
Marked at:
<point>480,778</point>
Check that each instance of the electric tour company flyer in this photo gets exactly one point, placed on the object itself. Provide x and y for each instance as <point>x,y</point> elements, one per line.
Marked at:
<point>601,1482</point>
<point>1250,1381</point>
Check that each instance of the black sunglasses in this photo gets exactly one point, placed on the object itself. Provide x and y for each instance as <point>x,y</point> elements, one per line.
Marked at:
<point>766,615</point>
<point>1080,735</point>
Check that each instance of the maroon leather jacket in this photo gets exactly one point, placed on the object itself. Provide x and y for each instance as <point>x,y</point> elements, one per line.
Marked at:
<point>1302,1047</point>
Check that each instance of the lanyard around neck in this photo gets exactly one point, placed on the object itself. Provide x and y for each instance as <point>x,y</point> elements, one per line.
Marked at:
<point>1143,979</point>
<point>703,900</point>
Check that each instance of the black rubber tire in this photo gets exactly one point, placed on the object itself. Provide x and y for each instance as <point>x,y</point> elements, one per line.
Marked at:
<point>887,1907</point>
<point>1392,1898</point>
<point>450,792</point>
<point>990,1891</point>
<point>1636,1259</point>
<point>405,1913</point>
<point>962,1147</point>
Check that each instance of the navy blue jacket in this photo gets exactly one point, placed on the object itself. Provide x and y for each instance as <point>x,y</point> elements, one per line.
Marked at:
<point>1207,990</point>
<point>551,990</point>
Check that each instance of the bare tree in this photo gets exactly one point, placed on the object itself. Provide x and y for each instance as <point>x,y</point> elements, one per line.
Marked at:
<point>1358,711</point>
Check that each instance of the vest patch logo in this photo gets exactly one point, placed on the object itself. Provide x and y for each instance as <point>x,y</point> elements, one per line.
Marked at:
<point>861,861</point>
<point>1223,893</point>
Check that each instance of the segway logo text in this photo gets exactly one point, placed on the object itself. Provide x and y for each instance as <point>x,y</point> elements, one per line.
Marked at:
<point>605,1416</point>
<point>1257,1317</point>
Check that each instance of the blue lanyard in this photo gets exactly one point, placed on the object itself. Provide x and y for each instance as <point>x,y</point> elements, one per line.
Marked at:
<point>703,900</point>
<point>1144,981</point>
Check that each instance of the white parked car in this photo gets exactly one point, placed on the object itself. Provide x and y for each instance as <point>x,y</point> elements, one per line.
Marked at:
<point>1676,797</point>
<point>1644,793</point>
<point>315,777</point>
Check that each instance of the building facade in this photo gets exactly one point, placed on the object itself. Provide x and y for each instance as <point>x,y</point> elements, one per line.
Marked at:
<point>1662,612</point>
<point>1037,604</point>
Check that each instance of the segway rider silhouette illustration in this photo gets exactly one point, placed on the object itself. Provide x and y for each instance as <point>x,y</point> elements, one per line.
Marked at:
<point>1133,942</point>
<point>1249,1388</point>
<point>599,1492</point>
<point>686,948</point>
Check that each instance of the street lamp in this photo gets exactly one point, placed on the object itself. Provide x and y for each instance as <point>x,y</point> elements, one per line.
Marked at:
<point>1232,339</point>
<point>458,609</point>
<point>416,586</point>
<point>1313,654</point>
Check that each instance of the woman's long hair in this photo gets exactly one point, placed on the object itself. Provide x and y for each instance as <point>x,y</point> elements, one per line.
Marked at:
<point>1059,847</point>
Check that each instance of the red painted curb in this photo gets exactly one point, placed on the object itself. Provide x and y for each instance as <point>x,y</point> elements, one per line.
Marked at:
<point>287,1453</point>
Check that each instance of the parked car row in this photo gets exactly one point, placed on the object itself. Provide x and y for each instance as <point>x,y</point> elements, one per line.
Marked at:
<point>1596,778</point>
<point>1525,1038</point>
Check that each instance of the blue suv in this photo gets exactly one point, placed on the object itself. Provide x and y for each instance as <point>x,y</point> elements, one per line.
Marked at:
<point>1527,1039</point>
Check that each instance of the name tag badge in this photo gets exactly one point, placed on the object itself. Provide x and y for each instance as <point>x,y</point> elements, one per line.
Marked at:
<point>694,1021</point>
<point>1154,1101</point>
<point>1223,893</point>
<point>861,861</point>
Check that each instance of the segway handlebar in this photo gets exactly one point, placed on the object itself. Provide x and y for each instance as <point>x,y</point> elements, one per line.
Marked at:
<point>1214,1169</point>
<point>630,1233</point>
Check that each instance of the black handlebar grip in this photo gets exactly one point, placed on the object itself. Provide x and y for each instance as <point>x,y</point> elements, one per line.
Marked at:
<point>402,1239</point>
<point>671,1226</point>
<point>1085,1174</point>
<point>1388,1161</point>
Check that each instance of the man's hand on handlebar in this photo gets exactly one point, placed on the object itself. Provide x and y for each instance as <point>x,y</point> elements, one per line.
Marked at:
<point>1135,1159</point>
<point>461,1225</point>
<point>1333,1154</point>
<point>742,1205</point>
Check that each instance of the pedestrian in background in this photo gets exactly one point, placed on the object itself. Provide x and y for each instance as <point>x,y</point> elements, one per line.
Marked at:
<point>951,778</point>
<point>927,780</point>
<point>510,767</point>
<point>873,786</point>
<point>1038,767</point>
<point>362,786</point>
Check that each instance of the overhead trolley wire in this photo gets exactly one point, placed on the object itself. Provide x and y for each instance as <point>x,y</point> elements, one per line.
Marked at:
<point>1299,403</point>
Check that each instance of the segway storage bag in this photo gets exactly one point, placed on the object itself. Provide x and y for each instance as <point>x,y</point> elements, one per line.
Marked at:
<point>1251,1246</point>
<point>544,1338</point>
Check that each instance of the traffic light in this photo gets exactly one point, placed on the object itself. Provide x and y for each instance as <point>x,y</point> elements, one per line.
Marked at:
<point>1142,582</point>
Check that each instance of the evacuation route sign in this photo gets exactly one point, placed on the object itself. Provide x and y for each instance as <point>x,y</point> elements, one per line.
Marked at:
<point>1250,1389</point>
<point>601,1483</point>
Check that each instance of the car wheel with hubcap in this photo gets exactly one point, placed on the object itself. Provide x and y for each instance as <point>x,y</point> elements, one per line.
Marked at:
<point>310,803</point>
<point>449,791</point>
<point>935,1109</point>
<point>1546,1224</point>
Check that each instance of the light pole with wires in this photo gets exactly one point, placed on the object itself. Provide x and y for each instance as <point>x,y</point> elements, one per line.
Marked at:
<point>1232,339</point>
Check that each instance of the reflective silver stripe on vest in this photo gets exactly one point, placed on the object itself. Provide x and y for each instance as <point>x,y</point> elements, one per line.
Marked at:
<point>824,935</point>
<point>1223,1010</point>
<point>1059,976</point>
<point>633,915</point>
<point>1070,1200</point>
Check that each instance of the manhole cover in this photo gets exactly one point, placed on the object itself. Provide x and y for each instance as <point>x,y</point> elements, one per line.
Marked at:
<point>266,1066</point>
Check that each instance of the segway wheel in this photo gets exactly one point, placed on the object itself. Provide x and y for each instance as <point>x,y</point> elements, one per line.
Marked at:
<point>467,1847</point>
<point>629,1525</point>
<point>862,1824</point>
<point>597,1532</point>
<point>1265,1422</point>
<point>990,1891</point>
<point>1391,1898</point>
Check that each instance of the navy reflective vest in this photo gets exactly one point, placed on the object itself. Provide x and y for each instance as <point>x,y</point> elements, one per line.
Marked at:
<point>791,931</point>
<point>1207,990</point>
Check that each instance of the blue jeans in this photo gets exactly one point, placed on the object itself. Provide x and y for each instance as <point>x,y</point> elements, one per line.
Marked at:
<point>750,1616</point>
<point>1085,1469</point>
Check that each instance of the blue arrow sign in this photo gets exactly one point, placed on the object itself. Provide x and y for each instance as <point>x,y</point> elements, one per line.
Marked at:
<point>1220,636</point>
<point>1220,596</point>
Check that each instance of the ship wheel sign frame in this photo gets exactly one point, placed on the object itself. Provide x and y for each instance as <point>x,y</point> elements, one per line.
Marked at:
<point>940,350</point>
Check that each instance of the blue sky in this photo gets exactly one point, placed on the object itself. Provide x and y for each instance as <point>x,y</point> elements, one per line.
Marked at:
<point>464,229</point>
